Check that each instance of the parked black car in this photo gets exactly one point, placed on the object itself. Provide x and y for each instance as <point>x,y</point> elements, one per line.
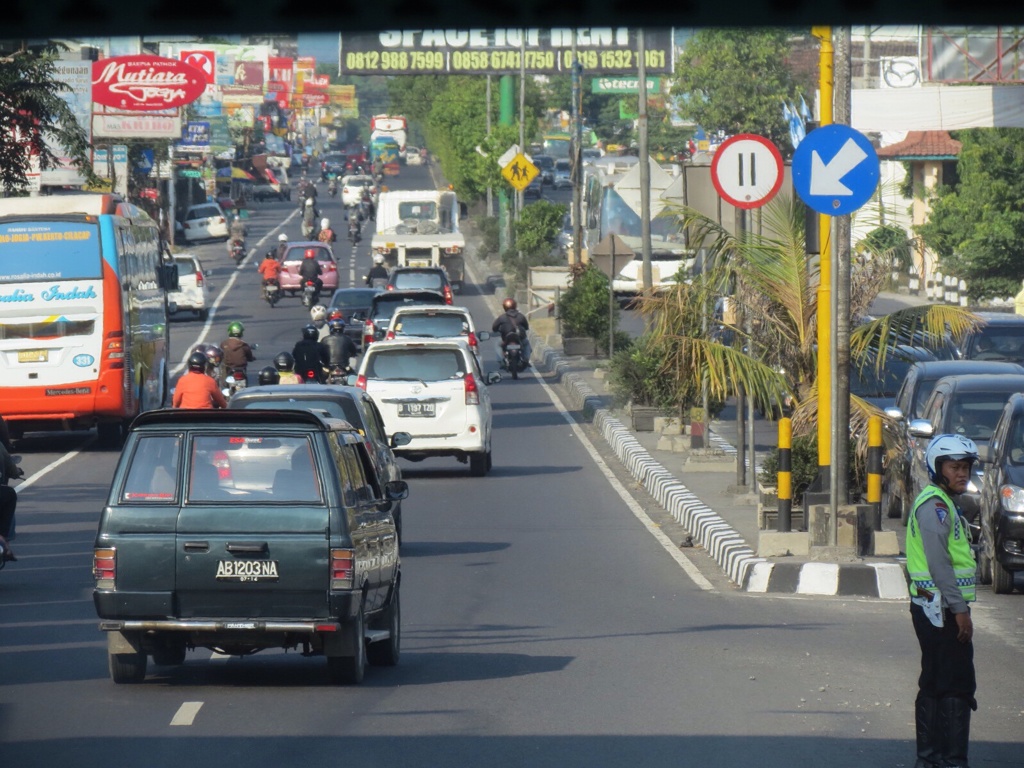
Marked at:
<point>383,306</point>
<point>239,531</point>
<point>967,405</point>
<point>913,394</point>
<point>878,385</point>
<point>1001,549</point>
<point>1000,337</point>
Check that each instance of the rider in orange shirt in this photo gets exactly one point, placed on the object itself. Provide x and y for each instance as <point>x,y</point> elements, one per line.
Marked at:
<point>270,267</point>
<point>197,390</point>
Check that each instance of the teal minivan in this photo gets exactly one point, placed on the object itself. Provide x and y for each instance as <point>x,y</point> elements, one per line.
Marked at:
<point>239,531</point>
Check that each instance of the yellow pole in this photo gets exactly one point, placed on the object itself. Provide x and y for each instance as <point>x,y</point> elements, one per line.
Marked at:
<point>824,315</point>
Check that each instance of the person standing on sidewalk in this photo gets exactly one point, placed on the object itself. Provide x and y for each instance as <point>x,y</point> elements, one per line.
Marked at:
<point>942,573</point>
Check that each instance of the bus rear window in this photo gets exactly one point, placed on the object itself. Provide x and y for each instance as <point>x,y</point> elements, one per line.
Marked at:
<point>49,250</point>
<point>47,329</point>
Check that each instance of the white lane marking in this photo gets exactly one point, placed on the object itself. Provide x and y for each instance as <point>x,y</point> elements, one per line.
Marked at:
<point>223,294</point>
<point>186,713</point>
<point>638,511</point>
<point>667,544</point>
<point>27,483</point>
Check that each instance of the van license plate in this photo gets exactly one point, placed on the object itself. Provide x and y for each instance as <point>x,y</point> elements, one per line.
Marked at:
<point>416,409</point>
<point>33,355</point>
<point>247,570</point>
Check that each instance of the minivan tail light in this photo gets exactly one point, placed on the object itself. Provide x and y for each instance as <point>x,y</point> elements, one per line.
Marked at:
<point>361,382</point>
<point>472,392</point>
<point>389,336</point>
<point>448,296</point>
<point>473,342</point>
<point>104,567</point>
<point>342,568</point>
<point>368,332</point>
<point>199,277</point>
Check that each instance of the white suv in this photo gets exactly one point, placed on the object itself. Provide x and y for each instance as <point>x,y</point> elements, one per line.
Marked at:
<point>192,289</point>
<point>435,390</point>
<point>443,322</point>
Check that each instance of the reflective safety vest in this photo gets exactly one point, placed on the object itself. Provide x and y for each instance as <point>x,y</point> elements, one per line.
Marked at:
<point>958,545</point>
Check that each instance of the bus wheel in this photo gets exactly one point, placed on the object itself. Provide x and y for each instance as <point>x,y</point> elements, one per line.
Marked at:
<point>110,434</point>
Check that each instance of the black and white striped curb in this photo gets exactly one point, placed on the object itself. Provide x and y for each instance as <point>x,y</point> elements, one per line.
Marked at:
<point>727,547</point>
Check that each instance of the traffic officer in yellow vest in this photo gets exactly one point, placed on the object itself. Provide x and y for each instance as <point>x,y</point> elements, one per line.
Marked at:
<point>942,574</point>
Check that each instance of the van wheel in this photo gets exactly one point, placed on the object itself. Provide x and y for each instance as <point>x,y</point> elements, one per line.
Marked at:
<point>349,670</point>
<point>1002,579</point>
<point>127,667</point>
<point>984,568</point>
<point>385,653</point>
<point>170,656</point>
<point>203,314</point>
<point>478,464</point>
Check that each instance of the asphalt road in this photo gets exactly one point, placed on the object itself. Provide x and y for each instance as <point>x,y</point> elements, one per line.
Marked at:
<point>544,623</point>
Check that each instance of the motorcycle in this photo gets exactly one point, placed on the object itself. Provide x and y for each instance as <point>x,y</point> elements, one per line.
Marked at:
<point>354,233</point>
<point>338,375</point>
<point>512,355</point>
<point>238,250</point>
<point>307,230</point>
<point>310,295</point>
<point>332,188</point>
<point>272,293</point>
<point>234,381</point>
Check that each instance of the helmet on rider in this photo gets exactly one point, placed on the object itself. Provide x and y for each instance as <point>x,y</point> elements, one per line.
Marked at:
<point>337,326</point>
<point>378,258</point>
<point>214,354</point>
<point>236,329</point>
<point>282,238</point>
<point>948,447</point>
<point>269,375</point>
<point>197,362</point>
<point>284,362</point>
<point>335,314</point>
<point>325,223</point>
<point>509,303</point>
<point>309,201</point>
<point>200,348</point>
<point>311,332</point>
<point>310,253</point>
<point>318,314</point>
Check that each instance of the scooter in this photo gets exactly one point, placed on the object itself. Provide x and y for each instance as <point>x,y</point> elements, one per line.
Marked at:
<point>512,355</point>
<point>338,375</point>
<point>272,293</point>
<point>234,381</point>
<point>354,233</point>
<point>310,295</point>
<point>237,250</point>
<point>332,188</point>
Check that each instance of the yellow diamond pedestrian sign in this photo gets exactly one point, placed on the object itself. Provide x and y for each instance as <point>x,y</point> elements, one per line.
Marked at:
<point>520,172</point>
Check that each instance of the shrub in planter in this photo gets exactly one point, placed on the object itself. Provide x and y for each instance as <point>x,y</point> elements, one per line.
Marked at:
<point>635,375</point>
<point>583,308</point>
<point>805,467</point>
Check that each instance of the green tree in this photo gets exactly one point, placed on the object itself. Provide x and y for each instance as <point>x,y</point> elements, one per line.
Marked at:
<point>735,80</point>
<point>31,109</point>
<point>977,227</point>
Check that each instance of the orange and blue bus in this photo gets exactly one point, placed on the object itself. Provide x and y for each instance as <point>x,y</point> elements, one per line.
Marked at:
<point>83,314</point>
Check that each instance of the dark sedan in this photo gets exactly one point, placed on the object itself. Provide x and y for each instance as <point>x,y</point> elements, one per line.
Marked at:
<point>354,304</point>
<point>1001,553</point>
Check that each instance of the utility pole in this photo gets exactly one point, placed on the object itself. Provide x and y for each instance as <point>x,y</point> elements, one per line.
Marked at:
<point>506,114</point>
<point>490,191</point>
<point>520,199</point>
<point>577,166</point>
<point>645,167</point>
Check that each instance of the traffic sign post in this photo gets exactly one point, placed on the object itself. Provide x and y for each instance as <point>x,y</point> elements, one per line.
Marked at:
<point>835,170</point>
<point>747,170</point>
<point>519,172</point>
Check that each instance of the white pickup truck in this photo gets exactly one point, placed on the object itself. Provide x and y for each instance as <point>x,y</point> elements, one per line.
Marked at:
<point>420,228</point>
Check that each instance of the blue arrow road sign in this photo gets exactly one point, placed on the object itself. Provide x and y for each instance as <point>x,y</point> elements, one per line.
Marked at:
<point>835,170</point>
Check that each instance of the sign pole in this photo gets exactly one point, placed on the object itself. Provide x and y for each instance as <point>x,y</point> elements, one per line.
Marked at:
<point>611,306</point>
<point>645,165</point>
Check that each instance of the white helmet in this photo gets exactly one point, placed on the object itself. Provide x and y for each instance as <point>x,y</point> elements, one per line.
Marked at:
<point>325,223</point>
<point>318,313</point>
<point>309,201</point>
<point>282,238</point>
<point>378,258</point>
<point>948,448</point>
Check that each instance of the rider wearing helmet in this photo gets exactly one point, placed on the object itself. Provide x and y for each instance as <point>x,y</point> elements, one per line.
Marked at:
<point>237,353</point>
<point>327,235</point>
<point>214,358</point>
<point>282,246</point>
<point>310,269</point>
<point>340,348</point>
<point>311,356</point>
<point>268,375</point>
<point>512,323</point>
<point>318,316</point>
<point>942,570</point>
<point>285,363</point>
<point>270,269</point>
<point>378,271</point>
<point>195,389</point>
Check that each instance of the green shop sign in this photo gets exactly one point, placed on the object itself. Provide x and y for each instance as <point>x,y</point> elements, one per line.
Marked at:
<point>623,85</point>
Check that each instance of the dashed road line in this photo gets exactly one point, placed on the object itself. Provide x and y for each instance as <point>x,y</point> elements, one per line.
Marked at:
<point>186,713</point>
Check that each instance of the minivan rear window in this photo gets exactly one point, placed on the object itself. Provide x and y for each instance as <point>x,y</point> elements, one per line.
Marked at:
<point>249,467</point>
<point>436,324</point>
<point>416,365</point>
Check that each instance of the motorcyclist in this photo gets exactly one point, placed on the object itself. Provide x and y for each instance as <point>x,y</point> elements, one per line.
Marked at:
<point>318,316</point>
<point>378,271</point>
<point>237,353</point>
<point>309,217</point>
<point>8,503</point>
<point>311,356</point>
<point>355,226</point>
<point>197,390</point>
<point>214,359</point>
<point>327,235</point>
<point>340,348</point>
<point>371,209</point>
<point>270,269</point>
<point>237,233</point>
<point>285,364</point>
<point>268,375</point>
<point>512,322</point>
<point>282,246</point>
<point>310,269</point>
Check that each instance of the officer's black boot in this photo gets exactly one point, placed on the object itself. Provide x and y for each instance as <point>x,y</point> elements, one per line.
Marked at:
<point>929,732</point>
<point>955,721</point>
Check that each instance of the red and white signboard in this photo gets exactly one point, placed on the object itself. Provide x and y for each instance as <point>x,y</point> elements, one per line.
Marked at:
<point>204,61</point>
<point>143,83</point>
<point>747,170</point>
<point>137,126</point>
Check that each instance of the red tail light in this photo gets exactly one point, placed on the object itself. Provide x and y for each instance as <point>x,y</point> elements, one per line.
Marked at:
<point>448,296</point>
<point>368,331</point>
<point>310,374</point>
<point>223,465</point>
<point>332,267</point>
<point>113,350</point>
<point>473,343</point>
<point>342,568</point>
<point>104,567</point>
<point>199,277</point>
<point>472,393</point>
<point>389,287</point>
<point>390,335</point>
<point>361,382</point>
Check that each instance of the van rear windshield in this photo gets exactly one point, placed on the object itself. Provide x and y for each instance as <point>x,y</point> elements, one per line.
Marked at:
<point>248,468</point>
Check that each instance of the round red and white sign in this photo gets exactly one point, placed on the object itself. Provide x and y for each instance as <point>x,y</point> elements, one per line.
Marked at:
<point>747,170</point>
<point>141,83</point>
<point>204,61</point>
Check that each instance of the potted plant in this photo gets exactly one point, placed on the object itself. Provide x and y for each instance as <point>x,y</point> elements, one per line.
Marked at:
<point>637,378</point>
<point>584,311</point>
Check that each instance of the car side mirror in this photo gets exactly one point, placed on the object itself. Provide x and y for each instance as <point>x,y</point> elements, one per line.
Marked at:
<point>360,315</point>
<point>396,490</point>
<point>483,336</point>
<point>921,428</point>
<point>172,307</point>
<point>985,454</point>
<point>400,438</point>
<point>493,377</point>
<point>894,413</point>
